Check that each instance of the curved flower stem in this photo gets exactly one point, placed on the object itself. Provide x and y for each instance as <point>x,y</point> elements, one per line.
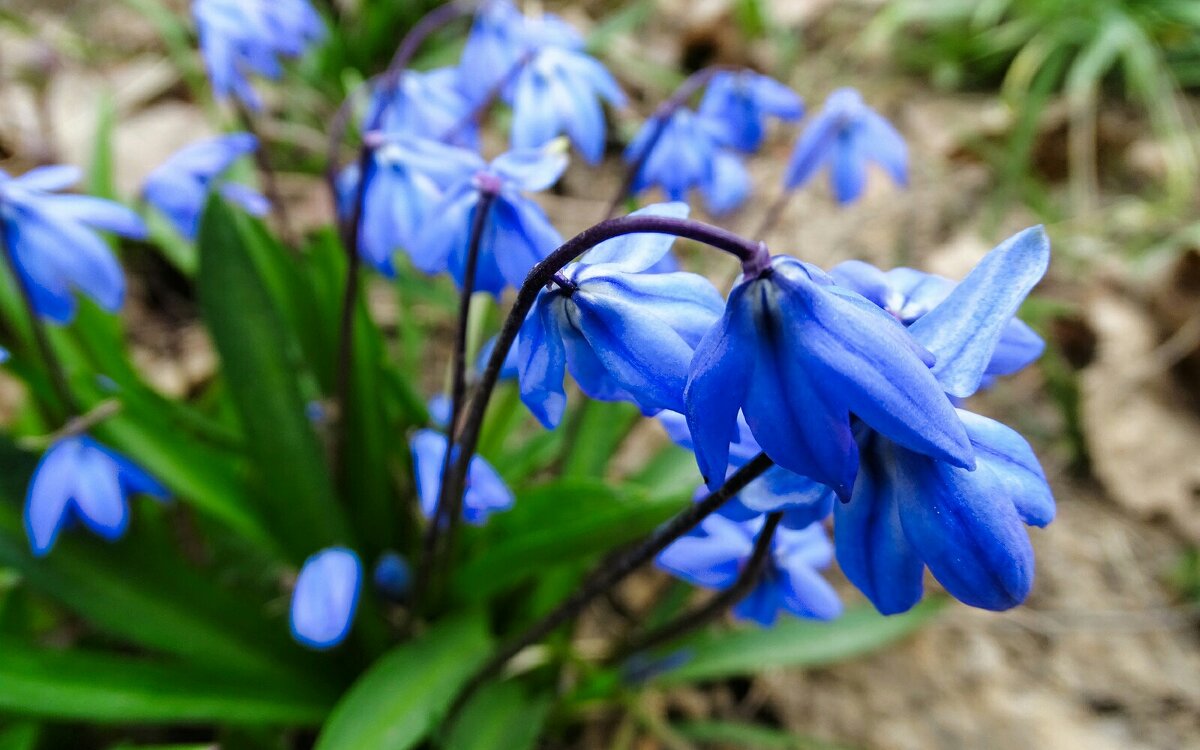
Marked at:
<point>718,604</point>
<point>449,508</point>
<point>605,578</point>
<point>661,116</point>
<point>58,375</point>
<point>270,178</point>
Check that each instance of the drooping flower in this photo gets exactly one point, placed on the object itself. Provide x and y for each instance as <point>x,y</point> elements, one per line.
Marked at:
<point>243,37</point>
<point>517,233</point>
<point>80,479</point>
<point>393,576</point>
<point>179,187</point>
<point>911,511</point>
<point>427,104</point>
<point>53,241</point>
<point>845,136</point>
<point>798,355</point>
<point>743,101</point>
<point>689,153</point>
<point>623,334</point>
<point>715,553</point>
<point>485,493</point>
<point>326,597</point>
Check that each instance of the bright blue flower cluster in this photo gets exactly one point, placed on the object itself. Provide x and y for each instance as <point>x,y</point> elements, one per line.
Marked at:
<point>240,37</point>
<point>179,187</point>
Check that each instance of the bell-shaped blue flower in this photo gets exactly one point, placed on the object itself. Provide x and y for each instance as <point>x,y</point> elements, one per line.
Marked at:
<point>500,39</point>
<point>393,576</point>
<point>485,493</point>
<point>846,135</point>
<point>80,479</point>
<point>428,104</point>
<point>799,355</point>
<point>690,153</point>
<point>326,597</point>
<point>517,233</point>
<point>240,37</point>
<point>715,553</point>
<point>625,335</point>
<point>743,101</point>
<point>53,242</point>
<point>179,187</point>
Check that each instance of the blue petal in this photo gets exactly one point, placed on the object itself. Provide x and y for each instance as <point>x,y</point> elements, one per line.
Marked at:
<point>524,237</point>
<point>763,603</point>
<point>712,556</point>
<point>99,501</point>
<point>807,594</point>
<point>251,201</point>
<point>542,363</point>
<point>634,253</point>
<point>49,495</point>
<point>326,598</point>
<point>848,165</point>
<point>1015,472</point>
<point>101,214</point>
<point>532,170</point>
<point>885,145</point>
<point>393,576</point>
<point>686,302</point>
<point>728,185</point>
<point>1019,346</point>
<point>812,150</point>
<point>963,331</point>
<point>486,493</point>
<point>50,179</point>
<point>429,453</point>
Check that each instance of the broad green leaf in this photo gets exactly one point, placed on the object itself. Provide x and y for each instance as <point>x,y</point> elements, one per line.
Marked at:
<point>76,685</point>
<point>500,715</point>
<point>795,643</point>
<point>259,363</point>
<point>22,735</point>
<point>729,733</point>
<point>406,693</point>
<point>597,429</point>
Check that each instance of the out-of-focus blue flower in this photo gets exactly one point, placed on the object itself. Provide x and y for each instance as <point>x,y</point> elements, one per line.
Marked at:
<point>742,101</point>
<point>845,136</point>
<point>624,335</point>
<point>799,355</point>
<point>406,178</point>
<point>78,478</point>
<point>911,511</point>
<point>440,408</point>
<point>801,500</point>
<point>393,576</point>
<point>53,242</point>
<point>500,39</point>
<point>690,153</point>
<point>242,37</point>
<point>517,233</point>
<point>485,493</point>
<point>715,553</point>
<point>179,187</point>
<point>427,104</point>
<point>508,371</point>
<point>326,598</point>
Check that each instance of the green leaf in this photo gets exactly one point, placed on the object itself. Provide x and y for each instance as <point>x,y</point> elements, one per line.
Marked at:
<point>20,736</point>
<point>597,429</point>
<point>795,643</point>
<point>80,686</point>
<point>259,362</point>
<point>407,692</point>
<point>101,182</point>
<point>500,715</point>
<point>749,735</point>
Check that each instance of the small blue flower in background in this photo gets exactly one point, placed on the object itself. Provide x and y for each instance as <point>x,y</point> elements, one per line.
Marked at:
<point>485,493</point>
<point>714,554</point>
<point>393,576</point>
<point>517,234</point>
<point>845,136</point>
<point>690,153</point>
<point>427,104</point>
<point>742,101</point>
<point>799,355</point>
<point>496,44</point>
<point>625,335</point>
<point>81,479</point>
<point>180,186</point>
<point>54,244</point>
<point>440,408</point>
<point>326,597</point>
<point>509,370</point>
<point>241,37</point>
<point>911,511</point>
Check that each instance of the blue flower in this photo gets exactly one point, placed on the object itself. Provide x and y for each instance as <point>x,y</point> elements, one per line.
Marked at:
<point>743,101</point>
<point>846,135</point>
<point>517,234</point>
<point>179,187</point>
<point>690,153</point>
<point>624,335</point>
<point>800,355</point>
<point>485,493</point>
<point>406,178</point>
<point>714,554</point>
<point>911,511</point>
<point>500,39</point>
<point>326,597</point>
<point>393,576</point>
<point>508,370</point>
<point>426,105</point>
<point>238,37</point>
<point>53,243</point>
<point>78,478</point>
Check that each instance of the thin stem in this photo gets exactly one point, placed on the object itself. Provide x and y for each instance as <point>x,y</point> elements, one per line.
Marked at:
<point>58,375</point>
<point>605,578</point>
<point>774,214</point>
<point>270,177</point>
<point>717,605</point>
<point>660,118</point>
